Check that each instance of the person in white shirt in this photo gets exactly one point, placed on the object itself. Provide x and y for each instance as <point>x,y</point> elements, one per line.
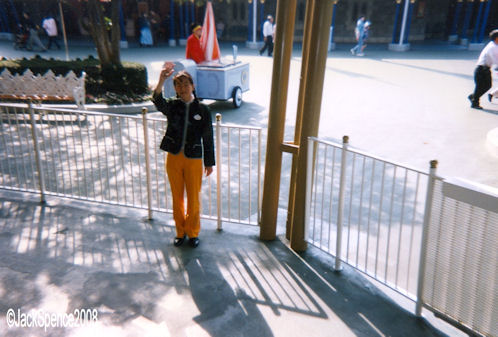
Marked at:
<point>50,27</point>
<point>482,74</point>
<point>268,32</point>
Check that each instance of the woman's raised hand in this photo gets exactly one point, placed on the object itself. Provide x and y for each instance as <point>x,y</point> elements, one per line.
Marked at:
<point>167,70</point>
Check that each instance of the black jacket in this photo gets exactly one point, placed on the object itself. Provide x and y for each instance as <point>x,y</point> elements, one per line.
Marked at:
<point>199,142</point>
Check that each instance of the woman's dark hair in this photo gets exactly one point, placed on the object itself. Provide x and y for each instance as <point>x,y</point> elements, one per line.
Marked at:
<point>183,73</point>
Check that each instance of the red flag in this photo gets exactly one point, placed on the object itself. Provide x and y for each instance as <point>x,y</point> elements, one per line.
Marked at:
<point>209,40</point>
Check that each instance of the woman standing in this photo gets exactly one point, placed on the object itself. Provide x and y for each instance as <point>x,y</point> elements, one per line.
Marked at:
<point>188,141</point>
<point>145,32</point>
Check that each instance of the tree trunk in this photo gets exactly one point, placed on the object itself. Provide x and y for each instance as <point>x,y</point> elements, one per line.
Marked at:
<point>116,32</point>
<point>107,45</point>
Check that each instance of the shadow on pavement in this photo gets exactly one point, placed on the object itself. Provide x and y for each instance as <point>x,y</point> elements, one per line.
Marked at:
<point>60,257</point>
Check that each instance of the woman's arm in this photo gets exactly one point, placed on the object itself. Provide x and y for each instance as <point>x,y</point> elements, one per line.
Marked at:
<point>157,95</point>
<point>208,141</point>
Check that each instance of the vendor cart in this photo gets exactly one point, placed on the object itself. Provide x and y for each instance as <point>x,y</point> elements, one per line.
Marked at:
<point>214,80</point>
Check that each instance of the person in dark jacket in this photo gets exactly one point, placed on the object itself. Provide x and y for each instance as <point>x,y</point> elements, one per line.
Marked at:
<point>188,141</point>
<point>32,30</point>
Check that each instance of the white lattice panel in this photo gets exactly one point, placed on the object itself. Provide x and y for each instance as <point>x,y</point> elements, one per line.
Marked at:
<point>47,84</point>
<point>461,279</point>
<point>6,81</point>
<point>30,84</point>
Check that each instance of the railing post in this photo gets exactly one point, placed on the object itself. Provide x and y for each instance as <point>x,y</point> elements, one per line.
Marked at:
<point>340,206</point>
<point>425,233</point>
<point>147,162</point>
<point>309,183</point>
<point>41,182</point>
<point>218,170</point>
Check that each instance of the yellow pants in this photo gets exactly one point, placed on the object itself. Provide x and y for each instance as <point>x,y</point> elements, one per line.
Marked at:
<point>185,174</point>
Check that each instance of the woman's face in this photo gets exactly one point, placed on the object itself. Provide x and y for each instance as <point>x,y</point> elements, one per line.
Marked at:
<point>184,88</point>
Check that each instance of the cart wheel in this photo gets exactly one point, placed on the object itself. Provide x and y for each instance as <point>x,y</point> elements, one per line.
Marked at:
<point>237,97</point>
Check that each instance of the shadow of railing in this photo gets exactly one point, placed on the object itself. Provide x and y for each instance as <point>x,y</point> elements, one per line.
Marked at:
<point>62,256</point>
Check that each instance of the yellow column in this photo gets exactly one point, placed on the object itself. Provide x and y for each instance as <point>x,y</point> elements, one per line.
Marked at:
<point>299,115</point>
<point>285,18</point>
<point>312,96</point>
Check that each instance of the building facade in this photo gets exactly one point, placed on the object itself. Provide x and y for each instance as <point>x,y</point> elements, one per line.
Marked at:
<point>461,21</point>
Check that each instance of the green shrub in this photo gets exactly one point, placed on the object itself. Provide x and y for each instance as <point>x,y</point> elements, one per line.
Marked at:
<point>126,83</point>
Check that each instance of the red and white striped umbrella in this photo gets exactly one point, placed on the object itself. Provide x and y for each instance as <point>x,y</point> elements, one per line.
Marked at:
<point>209,40</point>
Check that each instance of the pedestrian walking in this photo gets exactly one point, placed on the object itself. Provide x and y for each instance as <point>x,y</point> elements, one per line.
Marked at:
<point>366,35</point>
<point>482,73</point>
<point>359,31</point>
<point>189,142</point>
<point>50,26</point>
<point>268,34</point>
<point>32,29</point>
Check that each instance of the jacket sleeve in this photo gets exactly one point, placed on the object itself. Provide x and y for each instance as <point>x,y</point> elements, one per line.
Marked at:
<point>207,139</point>
<point>160,103</point>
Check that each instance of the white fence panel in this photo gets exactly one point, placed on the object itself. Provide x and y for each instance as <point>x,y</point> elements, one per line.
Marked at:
<point>101,157</point>
<point>461,264</point>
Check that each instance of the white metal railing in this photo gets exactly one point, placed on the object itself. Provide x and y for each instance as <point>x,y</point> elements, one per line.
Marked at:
<point>434,241</point>
<point>115,159</point>
<point>367,212</point>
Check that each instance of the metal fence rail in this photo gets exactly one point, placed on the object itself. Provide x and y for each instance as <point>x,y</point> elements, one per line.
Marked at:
<point>367,212</point>
<point>432,240</point>
<point>113,159</point>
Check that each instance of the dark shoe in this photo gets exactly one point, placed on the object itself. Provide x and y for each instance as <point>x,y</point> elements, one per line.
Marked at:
<point>490,97</point>
<point>471,98</point>
<point>179,241</point>
<point>474,104</point>
<point>194,242</point>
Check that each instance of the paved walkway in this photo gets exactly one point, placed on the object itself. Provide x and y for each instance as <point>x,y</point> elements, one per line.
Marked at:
<point>65,256</point>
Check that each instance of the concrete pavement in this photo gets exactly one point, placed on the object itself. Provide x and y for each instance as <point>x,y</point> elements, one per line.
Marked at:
<point>67,256</point>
